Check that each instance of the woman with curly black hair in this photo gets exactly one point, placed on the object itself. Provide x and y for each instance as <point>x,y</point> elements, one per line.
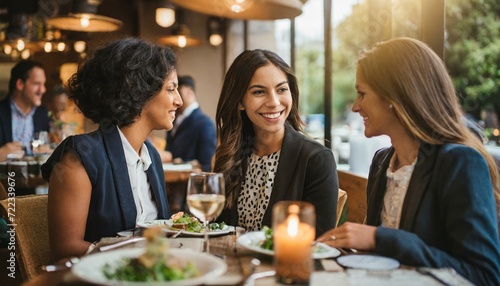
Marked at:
<point>108,180</point>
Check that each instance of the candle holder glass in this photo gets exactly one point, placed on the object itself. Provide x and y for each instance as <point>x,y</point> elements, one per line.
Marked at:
<point>293,233</point>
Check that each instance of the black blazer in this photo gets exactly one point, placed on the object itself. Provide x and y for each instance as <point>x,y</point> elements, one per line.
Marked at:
<point>40,121</point>
<point>449,216</point>
<point>306,172</point>
<point>194,139</point>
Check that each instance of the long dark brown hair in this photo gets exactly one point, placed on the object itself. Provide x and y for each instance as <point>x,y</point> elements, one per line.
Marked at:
<point>235,131</point>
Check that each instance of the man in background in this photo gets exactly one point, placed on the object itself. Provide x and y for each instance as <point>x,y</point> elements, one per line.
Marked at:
<point>193,135</point>
<point>21,112</point>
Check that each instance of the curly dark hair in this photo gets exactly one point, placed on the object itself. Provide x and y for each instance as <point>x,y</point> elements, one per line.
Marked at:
<point>116,82</point>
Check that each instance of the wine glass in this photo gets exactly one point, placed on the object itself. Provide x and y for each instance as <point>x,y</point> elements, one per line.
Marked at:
<point>39,138</point>
<point>205,198</point>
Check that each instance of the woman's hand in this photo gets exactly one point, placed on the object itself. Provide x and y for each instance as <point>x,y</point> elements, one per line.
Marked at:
<point>351,235</point>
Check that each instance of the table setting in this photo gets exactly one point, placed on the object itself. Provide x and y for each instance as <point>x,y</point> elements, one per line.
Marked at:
<point>187,250</point>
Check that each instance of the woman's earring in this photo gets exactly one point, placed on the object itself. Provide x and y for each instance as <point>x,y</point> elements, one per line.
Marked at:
<point>390,106</point>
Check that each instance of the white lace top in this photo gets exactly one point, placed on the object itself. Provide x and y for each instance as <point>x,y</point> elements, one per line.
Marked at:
<point>397,185</point>
<point>256,190</point>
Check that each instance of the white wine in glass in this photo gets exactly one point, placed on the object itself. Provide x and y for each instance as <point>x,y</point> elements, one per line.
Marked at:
<point>206,198</point>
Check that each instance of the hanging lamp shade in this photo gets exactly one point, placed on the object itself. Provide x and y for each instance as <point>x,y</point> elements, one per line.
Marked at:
<point>181,38</point>
<point>84,18</point>
<point>245,9</point>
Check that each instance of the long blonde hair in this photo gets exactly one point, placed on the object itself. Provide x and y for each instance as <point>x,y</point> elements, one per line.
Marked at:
<point>411,77</point>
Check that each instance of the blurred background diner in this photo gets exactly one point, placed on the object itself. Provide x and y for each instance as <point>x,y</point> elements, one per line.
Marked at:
<point>61,125</point>
<point>192,139</point>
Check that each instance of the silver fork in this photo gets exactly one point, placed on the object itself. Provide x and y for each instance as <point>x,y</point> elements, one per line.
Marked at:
<point>177,233</point>
<point>61,266</point>
<point>121,243</point>
<point>247,273</point>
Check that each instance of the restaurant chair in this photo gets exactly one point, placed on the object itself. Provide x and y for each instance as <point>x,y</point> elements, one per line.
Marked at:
<point>5,253</point>
<point>3,192</point>
<point>355,187</point>
<point>32,236</point>
<point>340,204</point>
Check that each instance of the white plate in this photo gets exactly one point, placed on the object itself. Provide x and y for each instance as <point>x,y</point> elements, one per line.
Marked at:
<point>368,262</point>
<point>251,240</point>
<point>90,267</point>
<point>167,223</point>
<point>177,167</point>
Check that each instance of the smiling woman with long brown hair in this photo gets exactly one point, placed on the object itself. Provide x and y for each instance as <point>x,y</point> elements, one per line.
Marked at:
<point>262,151</point>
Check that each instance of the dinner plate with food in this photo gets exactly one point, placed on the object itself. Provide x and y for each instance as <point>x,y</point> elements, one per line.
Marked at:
<point>155,264</point>
<point>191,225</point>
<point>262,242</point>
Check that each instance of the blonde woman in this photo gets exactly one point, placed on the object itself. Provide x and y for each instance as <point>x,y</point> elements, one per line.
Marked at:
<point>431,195</point>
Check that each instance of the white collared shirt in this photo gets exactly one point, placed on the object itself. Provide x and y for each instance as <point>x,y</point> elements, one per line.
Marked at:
<point>141,189</point>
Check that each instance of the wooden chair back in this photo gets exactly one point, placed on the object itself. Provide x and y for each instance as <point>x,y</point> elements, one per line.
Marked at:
<point>340,204</point>
<point>3,192</point>
<point>32,236</point>
<point>355,187</point>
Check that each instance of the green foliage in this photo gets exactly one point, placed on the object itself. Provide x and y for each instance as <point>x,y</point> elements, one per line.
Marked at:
<point>310,73</point>
<point>473,52</point>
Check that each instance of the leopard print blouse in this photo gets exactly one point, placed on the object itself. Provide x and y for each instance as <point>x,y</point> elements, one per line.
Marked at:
<point>256,190</point>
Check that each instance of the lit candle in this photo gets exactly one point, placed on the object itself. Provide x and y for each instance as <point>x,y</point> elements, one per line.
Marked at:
<point>293,237</point>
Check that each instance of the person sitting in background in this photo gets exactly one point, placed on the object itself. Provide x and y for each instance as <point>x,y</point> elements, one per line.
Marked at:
<point>21,112</point>
<point>60,128</point>
<point>263,154</point>
<point>58,103</point>
<point>109,180</point>
<point>193,136</point>
<point>431,195</point>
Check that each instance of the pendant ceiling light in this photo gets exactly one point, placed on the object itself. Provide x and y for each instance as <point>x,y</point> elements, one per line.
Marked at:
<point>165,14</point>
<point>181,38</point>
<point>84,18</point>
<point>25,33</point>
<point>215,30</point>
<point>181,34</point>
<point>245,9</point>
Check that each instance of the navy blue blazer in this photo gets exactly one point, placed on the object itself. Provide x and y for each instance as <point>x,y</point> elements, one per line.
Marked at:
<point>306,172</point>
<point>112,208</point>
<point>194,139</point>
<point>449,216</point>
<point>40,121</point>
